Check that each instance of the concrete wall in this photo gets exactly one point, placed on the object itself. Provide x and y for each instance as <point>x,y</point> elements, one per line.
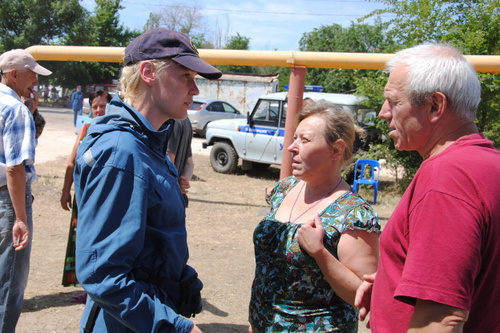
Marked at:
<point>240,90</point>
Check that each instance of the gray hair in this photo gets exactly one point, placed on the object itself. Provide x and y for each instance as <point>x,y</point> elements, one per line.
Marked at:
<point>435,67</point>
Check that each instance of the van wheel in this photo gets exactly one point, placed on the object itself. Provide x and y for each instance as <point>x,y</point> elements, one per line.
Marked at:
<point>223,158</point>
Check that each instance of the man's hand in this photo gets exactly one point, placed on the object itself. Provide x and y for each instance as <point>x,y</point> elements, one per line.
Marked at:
<point>20,235</point>
<point>184,184</point>
<point>364,296</point>
<point>66,202</point>
<point>32,102</point>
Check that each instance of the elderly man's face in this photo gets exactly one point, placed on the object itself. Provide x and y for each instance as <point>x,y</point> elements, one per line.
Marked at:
<point>24,81</point>
<point>406,120</point>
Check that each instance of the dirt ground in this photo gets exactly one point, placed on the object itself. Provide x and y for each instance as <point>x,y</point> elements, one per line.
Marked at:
<point>223,212</point>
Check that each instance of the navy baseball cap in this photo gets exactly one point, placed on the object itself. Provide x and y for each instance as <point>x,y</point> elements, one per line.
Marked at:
<point>161,43</point>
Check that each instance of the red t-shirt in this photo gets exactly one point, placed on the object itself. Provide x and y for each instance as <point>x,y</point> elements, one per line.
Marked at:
<point>442,241</point>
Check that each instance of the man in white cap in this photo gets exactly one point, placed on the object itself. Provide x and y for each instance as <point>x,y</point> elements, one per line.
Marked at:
<point>19,71</point>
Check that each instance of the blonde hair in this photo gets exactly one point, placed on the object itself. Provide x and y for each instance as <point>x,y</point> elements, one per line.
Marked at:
<point>339,124</point>
<point>130,79</point>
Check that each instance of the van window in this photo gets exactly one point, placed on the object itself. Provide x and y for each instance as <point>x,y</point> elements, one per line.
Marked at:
<point>366,117</point>
<point>267,113</point>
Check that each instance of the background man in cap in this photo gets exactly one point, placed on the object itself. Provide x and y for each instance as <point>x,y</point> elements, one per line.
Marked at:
<point>131,244</point>
<point>439,255</point>
<point>76,102</point>
<point>17,154</point>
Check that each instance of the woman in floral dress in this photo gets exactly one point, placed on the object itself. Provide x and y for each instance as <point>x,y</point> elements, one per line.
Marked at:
<point>319,237</point>
<point>98,101</point>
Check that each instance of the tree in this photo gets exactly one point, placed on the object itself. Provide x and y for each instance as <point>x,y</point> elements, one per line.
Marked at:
<point>363,38</point>
<point>153,21</point>
<point>184,18</point>
<point>100,29</point>
<point>24,23</point>
<point>470,25</point>
<point>237,42</point>
<point>201,42</point>
<point>33,22</point>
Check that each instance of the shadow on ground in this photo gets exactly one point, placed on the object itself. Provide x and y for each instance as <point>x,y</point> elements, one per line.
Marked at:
<point>42,302</point>
<point>223,328</point>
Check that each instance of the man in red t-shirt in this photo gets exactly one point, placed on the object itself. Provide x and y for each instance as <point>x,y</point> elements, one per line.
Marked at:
<point>438,268</point>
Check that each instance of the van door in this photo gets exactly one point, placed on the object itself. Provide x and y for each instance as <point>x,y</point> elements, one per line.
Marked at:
<point>263,133</point>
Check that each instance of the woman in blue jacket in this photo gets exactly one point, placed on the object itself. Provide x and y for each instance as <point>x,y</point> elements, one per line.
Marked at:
<point>131,249</point>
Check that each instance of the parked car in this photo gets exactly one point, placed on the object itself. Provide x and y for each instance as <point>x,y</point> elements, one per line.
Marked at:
<point>258,140</point>
<point>86,107</point>
<point>204,110</point>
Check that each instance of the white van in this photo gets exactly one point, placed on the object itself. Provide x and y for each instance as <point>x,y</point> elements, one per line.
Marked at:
<point>258,141</point>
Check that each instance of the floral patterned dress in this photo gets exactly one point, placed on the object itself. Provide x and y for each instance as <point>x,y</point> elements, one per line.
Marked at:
<point>289,291</point>
<point>69,271</point>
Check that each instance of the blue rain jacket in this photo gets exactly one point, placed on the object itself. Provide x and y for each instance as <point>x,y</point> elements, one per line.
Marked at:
<point>131,215</point>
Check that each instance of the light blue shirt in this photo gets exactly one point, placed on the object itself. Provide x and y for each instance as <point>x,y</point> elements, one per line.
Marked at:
<point>17,132</point>
<point>76,100</point>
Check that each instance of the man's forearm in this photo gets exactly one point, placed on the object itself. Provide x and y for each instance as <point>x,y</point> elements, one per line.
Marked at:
<point>16,184</point>
<point>430,316</point>
<point>188,168</point>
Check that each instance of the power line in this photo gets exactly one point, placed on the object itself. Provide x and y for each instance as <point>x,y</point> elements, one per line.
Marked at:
<point>149,4</point>
<point>280,13</point>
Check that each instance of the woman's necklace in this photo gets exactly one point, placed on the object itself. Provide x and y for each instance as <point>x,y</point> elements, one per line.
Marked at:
<point>317,202</point>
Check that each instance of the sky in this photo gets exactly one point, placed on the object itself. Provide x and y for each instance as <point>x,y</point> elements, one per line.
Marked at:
<point>270,24</point>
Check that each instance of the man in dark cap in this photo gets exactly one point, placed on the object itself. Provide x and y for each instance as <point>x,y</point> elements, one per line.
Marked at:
<point>131,246</point>
<point>19,72</point>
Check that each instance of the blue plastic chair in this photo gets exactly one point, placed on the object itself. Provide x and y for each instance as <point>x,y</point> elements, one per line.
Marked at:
<point>367,172</point>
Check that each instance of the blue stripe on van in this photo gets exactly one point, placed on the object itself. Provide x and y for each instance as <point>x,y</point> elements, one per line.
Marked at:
<point>261,130</point>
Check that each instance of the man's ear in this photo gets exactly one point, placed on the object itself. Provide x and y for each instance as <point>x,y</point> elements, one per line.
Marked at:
<point>438,104</point>
<point>148,73</point>
<point>12,74</point>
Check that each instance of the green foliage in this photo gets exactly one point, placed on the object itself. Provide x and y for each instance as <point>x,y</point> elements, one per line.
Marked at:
<point>24,23</point>
<point>362,38</point>
<point>470,25</point>
<point>237,42</point>
<point>488,116</point>
<point>32,22</point>
<point>153,21</point>
<point>493,134</point>
<point>101,29</point>
<point>201,42</point>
